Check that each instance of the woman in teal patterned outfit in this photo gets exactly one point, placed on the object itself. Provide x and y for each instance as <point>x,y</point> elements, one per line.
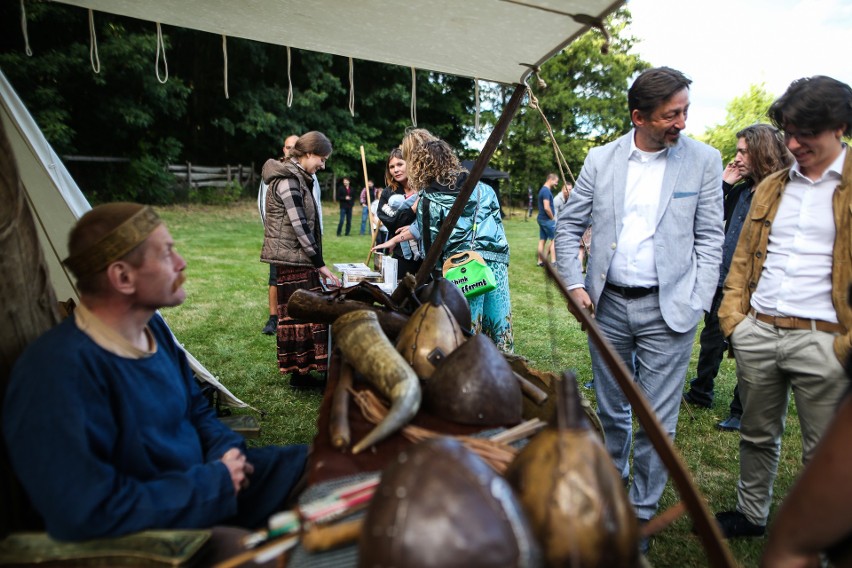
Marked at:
<point>435,171</point>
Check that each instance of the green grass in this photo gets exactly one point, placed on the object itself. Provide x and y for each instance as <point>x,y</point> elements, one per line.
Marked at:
<point>227,305</point>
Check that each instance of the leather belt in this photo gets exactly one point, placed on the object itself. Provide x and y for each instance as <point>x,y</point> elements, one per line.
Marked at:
<point>632,292</point>
<point>790,322</point>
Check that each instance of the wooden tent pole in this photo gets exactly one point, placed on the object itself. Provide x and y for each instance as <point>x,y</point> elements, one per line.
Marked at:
<point>434,252</point>
<point>373,231</point>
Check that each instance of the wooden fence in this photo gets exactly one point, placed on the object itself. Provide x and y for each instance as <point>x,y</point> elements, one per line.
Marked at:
<point>204,176</point>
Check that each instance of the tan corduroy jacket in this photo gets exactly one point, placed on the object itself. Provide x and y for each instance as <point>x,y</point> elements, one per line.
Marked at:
<point>747,264</point>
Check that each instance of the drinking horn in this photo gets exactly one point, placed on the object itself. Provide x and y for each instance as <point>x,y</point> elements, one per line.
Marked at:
<point>429,336</point>
<point>439,505</point>
<point>572,494</point>
<point>363,344</point>
<point>474,385</point>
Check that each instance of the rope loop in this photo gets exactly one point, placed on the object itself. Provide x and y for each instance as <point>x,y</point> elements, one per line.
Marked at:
<point>289,81</point>
<point>94,59</point>
<point>225,62</point>
<point>476,103</point>
<point>351,87</point>
<point>161,46</point>
<point>27,49</point>
<point>413,97</point>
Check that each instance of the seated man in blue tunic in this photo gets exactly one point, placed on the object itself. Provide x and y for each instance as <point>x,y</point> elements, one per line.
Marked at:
<point>106,427</point>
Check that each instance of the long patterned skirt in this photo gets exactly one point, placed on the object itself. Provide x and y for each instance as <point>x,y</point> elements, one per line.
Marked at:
<point>302,346</point>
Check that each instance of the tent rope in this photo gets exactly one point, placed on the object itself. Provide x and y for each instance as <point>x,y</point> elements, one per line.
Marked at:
<point>161,46</point>
<point>289,81</point>
<point>351,87</point>
<point>225,63</point>
<point>27,49</point>
<point>413,97</point>
<point>557,152</point>
<point>94,59</point>
<point>476,103</point>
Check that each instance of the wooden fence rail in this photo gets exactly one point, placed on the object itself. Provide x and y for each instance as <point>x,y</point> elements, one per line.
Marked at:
<point>205,176</point>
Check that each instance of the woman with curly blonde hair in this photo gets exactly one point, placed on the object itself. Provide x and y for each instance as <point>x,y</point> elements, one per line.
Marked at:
<point>435,171</point>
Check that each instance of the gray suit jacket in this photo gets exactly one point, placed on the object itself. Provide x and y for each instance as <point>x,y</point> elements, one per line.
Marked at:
<point>689,234</point>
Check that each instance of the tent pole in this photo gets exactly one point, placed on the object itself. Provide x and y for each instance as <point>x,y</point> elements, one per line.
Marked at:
<point>434,252</point>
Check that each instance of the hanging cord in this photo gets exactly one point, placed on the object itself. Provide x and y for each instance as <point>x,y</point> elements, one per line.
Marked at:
<point>27,49</point>
<point>351,87</point>
<point>161,46</point>
<point>289,81</point>
<point>225,62</point>
<point>413,97</point>
<point>557,152</point>
<point>476,102</point>
<point>93,44</point>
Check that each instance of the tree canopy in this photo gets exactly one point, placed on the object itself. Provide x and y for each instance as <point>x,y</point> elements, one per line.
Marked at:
<point>585,102</point>
<point>744,110</point>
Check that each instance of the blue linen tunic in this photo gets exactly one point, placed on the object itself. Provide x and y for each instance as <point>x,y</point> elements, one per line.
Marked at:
<point>105,445</point>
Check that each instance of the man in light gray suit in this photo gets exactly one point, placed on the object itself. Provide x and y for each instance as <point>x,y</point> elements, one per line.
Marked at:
<point>656,202</point>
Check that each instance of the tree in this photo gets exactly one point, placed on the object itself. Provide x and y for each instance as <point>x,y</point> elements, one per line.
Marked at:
<point>585,102</point>
<point>742,111</point>
<point>125,112</point>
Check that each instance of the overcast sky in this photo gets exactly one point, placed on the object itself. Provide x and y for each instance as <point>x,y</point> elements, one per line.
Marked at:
<point>726,45</point>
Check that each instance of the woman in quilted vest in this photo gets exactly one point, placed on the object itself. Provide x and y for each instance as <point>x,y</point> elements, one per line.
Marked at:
<point>292,241</point>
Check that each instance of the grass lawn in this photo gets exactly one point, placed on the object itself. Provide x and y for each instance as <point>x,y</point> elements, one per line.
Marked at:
<point>227,305</point>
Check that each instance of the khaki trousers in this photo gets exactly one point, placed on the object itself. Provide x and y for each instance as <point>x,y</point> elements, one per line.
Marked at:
<point>771,361</point>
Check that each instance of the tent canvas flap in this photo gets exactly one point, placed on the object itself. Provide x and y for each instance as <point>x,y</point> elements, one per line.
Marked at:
<point>492,40</point>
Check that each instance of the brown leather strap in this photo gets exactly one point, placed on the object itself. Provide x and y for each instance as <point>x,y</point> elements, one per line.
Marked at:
<point>718,553</point>
<point>791,322</point>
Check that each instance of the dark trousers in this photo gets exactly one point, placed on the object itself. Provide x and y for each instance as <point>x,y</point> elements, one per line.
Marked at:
<point>345,213</point>
<point>713,348</point>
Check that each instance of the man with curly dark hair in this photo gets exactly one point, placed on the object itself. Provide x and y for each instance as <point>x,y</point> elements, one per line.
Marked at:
<point>760,152</point>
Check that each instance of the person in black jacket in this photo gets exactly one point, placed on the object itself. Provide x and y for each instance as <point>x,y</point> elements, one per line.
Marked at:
<point>760,151</point>
<point>346,198</point>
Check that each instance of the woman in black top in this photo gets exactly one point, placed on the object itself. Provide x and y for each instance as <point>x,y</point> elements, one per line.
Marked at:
<point>409,257</point>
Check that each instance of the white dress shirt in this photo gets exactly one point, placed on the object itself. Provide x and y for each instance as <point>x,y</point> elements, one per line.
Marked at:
<point>796,277</point>
<point>633,263</point>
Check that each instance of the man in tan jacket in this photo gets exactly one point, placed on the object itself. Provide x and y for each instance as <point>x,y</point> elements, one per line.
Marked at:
<point>784,308</point>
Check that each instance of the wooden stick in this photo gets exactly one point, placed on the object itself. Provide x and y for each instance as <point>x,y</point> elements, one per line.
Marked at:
<point>718,553</point>
<point>369,205</point>
<point>283,543</point>
<point>662,520</point>
<point>519,432</point>
<point>327,537</point>
<point>339,421</point>
<point>531,391</point>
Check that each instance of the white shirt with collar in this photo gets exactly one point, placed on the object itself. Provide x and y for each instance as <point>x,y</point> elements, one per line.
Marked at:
<point>796,277</point>
<point>633,263</point>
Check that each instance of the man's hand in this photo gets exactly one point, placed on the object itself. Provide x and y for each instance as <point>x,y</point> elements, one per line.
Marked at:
<point>581,297</point>
<point>240,469</point>
<point>731,175</point>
